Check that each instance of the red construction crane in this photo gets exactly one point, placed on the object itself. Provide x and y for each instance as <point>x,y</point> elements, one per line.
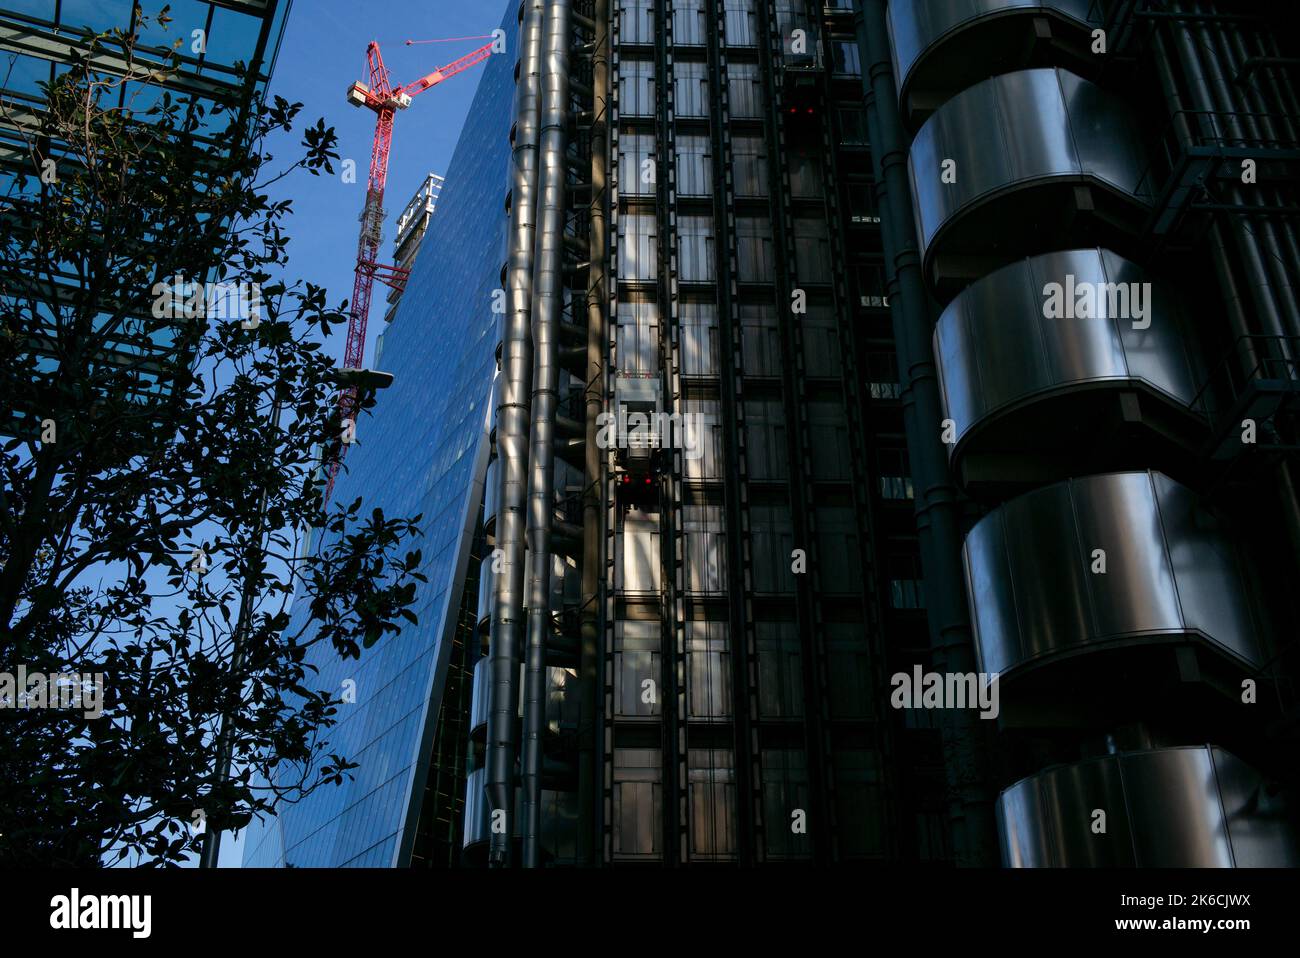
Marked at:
<point>385,100</point>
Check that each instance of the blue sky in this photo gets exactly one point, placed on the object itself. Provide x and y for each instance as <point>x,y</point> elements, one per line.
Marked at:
<point>323,52</point>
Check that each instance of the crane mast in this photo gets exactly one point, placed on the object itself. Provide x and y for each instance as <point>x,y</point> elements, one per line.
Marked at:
<point>384,100</point>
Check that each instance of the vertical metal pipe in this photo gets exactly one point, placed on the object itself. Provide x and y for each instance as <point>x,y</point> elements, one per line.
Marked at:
<point>1257,274</point>
<point>1269,95</point>
<point>1278,81</point>
<point>952,646</point>
<point>548,290</point>
<point>593,502</point>
<point>1242,130</point>
<point>1274,129</point>
<point>512,446</point>
<point>1273,302</point>
<point>1219,247</point>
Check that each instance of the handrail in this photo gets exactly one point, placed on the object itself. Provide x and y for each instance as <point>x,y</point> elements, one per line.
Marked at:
<point>1272,361</point>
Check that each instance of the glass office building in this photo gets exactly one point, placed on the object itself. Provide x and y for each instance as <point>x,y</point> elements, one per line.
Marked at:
<point>423,451</point>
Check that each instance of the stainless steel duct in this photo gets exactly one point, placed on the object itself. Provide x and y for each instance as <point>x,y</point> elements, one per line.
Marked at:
<point>593,505</point>
<point>512,441</point>
<point>548,291</point>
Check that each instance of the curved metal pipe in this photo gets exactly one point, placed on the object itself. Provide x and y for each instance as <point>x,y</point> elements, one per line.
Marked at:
<point>548,290</point>
<point>512,445</point>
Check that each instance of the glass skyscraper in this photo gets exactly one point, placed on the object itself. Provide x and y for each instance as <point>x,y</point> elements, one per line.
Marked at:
<point>424,452</point>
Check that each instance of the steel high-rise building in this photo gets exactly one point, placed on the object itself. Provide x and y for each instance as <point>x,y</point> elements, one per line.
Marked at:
<point>1110,481</point>
<point>705,649</point>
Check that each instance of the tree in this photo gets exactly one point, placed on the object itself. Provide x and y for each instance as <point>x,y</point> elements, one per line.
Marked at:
<point>165,395</point>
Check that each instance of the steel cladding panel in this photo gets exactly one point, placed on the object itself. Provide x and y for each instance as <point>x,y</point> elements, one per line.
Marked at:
<point>1171,568</point>
<point>919,26</point>
<point>1033,117</point>
<point>1174,810</point>
<point>1077,348</point>
<point>1258,826</point>
<point>1118,515</point>
<point>1074,793</point>
<point>1105,133</point>
<point>1213,580</point>
<point>992,596</point>
<point>1016,128</point>
<point>1047,574</point>
<point>996,346</point>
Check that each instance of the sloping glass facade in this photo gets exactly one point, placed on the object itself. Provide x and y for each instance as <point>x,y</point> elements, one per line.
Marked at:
<point>424,450</point>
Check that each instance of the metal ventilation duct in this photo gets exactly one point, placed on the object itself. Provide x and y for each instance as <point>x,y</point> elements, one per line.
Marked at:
<point>1194,807</point>
<point>515,385</point>
<point>995,173</point>
<point>478,811</point>
<point>548,293</point>
<point>1172,573</point>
